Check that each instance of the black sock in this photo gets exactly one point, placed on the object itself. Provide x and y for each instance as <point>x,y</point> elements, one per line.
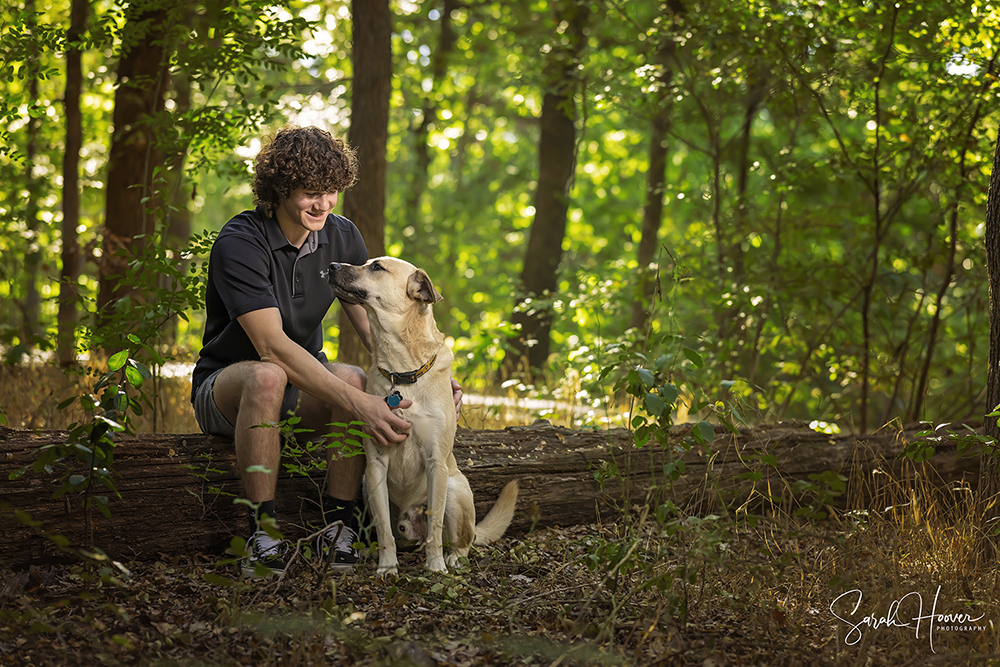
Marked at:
<point>255,515</point>
<point>335,509</point>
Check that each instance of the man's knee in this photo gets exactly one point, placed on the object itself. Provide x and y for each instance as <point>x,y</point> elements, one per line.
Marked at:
<point>352,375</point>
<point>267,380</point>
<point>257,382</point>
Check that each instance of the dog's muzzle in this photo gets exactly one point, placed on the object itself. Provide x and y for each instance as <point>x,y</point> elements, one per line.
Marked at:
<point>341,278</point>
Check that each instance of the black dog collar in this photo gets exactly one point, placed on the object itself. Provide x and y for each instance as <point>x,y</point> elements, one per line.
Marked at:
<point>407,378</point>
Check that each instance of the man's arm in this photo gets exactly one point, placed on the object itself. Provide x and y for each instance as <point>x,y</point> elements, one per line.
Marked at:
<point>358,316</point>
<point>308,374</point>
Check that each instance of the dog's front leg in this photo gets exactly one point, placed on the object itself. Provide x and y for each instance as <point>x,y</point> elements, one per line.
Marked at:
<point>437,498</point>
<point>378,497</point>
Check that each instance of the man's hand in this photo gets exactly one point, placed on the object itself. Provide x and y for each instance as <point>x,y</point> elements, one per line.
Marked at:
<point>380,422</point>
<point>456,393</point>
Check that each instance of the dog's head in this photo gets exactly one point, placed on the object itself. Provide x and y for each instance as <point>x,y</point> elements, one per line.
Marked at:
<point>412,524</point>
<point>383,284</point>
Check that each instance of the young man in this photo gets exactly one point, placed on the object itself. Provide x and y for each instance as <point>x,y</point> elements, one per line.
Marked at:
<point>262,357</point>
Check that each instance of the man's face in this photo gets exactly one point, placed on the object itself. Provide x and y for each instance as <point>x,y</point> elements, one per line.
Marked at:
<point>306,210</point>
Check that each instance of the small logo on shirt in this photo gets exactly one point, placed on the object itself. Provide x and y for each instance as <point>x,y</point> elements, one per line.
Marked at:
<point>324,273</point>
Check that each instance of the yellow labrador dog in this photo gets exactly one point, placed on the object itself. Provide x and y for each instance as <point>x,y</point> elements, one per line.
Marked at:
<point>411,360</point>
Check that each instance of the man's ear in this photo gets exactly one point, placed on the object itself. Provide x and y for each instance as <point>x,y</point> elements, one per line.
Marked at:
<point>419,288</point>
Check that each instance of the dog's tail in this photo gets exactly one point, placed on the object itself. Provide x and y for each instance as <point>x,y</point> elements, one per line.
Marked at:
<point>493,525</point>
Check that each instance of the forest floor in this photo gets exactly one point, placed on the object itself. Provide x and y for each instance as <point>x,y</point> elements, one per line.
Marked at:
<point>543,599</point>
<point>832,587</point>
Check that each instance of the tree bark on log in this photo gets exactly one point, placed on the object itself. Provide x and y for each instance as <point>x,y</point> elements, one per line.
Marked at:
<point>177,491</point>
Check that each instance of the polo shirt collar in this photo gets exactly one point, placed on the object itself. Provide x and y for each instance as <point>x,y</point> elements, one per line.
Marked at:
<point>276,238</point>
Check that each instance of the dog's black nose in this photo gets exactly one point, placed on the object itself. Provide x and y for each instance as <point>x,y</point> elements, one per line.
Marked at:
<point>335,266</point>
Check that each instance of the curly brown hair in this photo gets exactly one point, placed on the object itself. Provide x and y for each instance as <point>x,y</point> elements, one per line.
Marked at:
<point>301,157</point>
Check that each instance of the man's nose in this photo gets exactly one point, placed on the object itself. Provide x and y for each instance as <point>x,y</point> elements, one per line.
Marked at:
<point>329,200</point>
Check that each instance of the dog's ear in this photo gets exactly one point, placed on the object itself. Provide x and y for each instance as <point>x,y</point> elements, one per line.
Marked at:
<point>419,288</point>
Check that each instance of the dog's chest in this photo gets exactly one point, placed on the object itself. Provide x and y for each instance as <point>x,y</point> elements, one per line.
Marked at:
<point>406,474</point>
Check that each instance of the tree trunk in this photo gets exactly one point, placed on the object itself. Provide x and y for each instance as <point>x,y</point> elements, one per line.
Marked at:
<point>652,213</point>
<point>968,139</point>
<point>133,155</point>
<point>69,277</point>
<point>533,313</point>
<point>364,204</point>
<point>176,228</point>
<point>32,301</point>
<point>413,213</point>
<point>989,473</point>
<point>193,478</point>
<point>881,225</point>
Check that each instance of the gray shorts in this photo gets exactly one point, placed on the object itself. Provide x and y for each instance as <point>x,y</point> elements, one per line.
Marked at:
<point>210,417</point>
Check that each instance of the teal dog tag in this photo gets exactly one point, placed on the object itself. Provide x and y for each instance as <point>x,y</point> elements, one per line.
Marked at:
<point>393,399</point>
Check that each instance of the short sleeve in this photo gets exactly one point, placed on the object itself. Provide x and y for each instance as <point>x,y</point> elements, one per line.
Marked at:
<point>358,249</point>
<point>241,273</point>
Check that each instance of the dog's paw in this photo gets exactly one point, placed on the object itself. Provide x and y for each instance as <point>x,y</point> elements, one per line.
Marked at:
<point>387,571</point>
<point>436,565</point>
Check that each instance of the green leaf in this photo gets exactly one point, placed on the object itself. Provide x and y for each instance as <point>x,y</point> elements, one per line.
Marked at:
<point>694,357</point>
<point>133,338</point>
<point>109,422</point>
<point>654,404</point>
<point>26,519</point>
<point>259,468</point>
<point>134,376</point>
<point>703,432</point>
<point>141,368</point>
<point>102,505</point>
<point>669,393</point>
<point>117,360</point>
<point>238,545</point>
<point>216,579</point>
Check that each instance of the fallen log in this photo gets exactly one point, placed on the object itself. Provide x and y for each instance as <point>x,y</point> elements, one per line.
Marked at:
<point>177,491</point>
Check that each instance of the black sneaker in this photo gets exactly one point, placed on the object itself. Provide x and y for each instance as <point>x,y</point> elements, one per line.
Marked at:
<point>264,551</point>
<point>335,545</point>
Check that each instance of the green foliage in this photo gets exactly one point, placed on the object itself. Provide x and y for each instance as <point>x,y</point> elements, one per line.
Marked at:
<point>84,463</point>
<point>966,440</point>
<point>820,178</point>
<point>90,445</point>
<point>23,39</point>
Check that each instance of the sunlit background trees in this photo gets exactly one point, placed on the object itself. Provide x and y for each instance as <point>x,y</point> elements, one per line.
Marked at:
<point>788,196</point>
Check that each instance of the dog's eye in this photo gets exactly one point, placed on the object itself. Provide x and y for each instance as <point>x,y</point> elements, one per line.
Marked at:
<point>377,267</point>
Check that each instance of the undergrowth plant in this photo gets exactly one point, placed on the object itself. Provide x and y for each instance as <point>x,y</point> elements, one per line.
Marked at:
<point>167,285</point>
<point>643,547</point>
<point>301,456</point>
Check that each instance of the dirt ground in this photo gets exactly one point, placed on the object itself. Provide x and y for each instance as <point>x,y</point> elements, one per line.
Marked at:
<point>538,600</point>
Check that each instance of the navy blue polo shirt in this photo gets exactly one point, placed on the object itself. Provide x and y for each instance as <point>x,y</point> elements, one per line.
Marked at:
<point>253,266</point>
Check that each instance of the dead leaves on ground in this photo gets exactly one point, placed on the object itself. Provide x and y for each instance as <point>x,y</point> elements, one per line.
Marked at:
<point>526,601</point>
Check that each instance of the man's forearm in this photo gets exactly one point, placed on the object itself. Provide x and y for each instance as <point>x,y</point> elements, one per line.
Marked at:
<point>301,368</point>
<point>359,320</point>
